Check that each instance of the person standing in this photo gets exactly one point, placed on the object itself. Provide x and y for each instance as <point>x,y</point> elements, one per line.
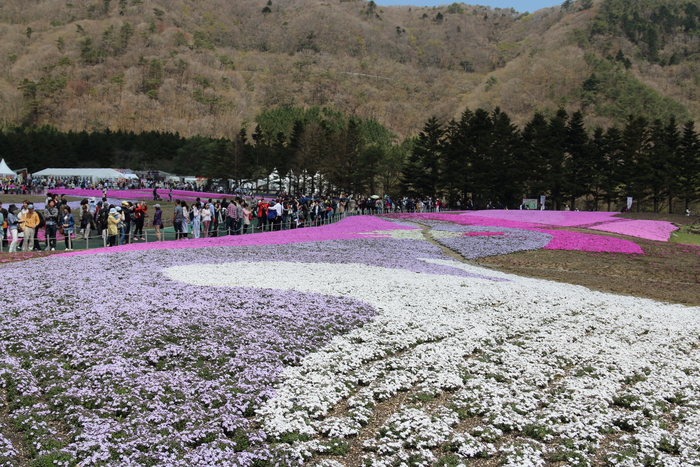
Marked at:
<point>239,216</point>
<point>140,214</point>
<point>13,227</point>
<point>177,219</point>
<point>231,210</point>
<point>196,220</point>
<point>206,218</point>
<point>87,221</point>
<point>68,224</point>
<point>51,214</point>
<point>246,218</point>
<point>29,222</point>
<point>5,225</point>
<point>185,223</point>
<point>112,226</point>
<point>158,221</point>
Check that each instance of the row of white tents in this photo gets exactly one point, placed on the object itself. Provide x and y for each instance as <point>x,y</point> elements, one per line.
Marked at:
<point>93,175</point>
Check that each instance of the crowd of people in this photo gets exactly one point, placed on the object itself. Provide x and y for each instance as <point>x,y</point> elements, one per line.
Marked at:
<point>124,222</point>
<point>20,225</point>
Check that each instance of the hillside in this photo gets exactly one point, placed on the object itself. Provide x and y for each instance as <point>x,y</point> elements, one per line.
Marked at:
<point>210,67</point>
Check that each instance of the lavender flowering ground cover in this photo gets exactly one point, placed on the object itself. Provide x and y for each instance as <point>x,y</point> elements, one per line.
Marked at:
<point>362,336</point>
<point>475,242</point>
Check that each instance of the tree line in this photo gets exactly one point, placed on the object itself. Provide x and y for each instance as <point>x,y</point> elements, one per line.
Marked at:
<point>482,156</point>
<point>318,148</point>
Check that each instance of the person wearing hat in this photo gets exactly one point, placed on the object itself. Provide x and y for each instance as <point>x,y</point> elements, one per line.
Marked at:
<point>29,223</point>
<point>112,229</point>
<point>158,221</point>
<point>13,227</point>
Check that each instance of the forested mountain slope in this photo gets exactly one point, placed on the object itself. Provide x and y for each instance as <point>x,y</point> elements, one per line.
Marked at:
<point>210,67</point>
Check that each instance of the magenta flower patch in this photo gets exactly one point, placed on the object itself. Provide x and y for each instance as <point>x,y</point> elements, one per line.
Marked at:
<point>651,230</point>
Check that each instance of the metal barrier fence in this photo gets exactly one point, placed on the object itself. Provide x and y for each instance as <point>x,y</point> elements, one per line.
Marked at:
<point>257,225</point>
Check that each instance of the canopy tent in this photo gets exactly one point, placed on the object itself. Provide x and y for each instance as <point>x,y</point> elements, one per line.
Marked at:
<point>5,170</point>
<point>94,175</point>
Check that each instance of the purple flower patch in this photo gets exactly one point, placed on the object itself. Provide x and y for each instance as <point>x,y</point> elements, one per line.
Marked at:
<point>120,365</point>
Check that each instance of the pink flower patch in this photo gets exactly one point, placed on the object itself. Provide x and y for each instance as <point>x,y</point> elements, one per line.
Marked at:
<point>558,218</point>
<point>565,240</point>
<point>651,230</point>
<point>349,228</point>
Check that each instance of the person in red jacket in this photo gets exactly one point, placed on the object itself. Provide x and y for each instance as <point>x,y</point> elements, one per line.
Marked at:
<point>140,214</point>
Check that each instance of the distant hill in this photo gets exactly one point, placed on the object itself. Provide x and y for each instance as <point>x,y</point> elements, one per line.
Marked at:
<point>211,67</point>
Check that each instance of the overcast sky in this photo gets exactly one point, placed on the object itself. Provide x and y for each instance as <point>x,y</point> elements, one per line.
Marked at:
<point>520,5</point>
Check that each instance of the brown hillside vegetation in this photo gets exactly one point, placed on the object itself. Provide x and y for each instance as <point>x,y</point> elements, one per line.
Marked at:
<point>209,67</point>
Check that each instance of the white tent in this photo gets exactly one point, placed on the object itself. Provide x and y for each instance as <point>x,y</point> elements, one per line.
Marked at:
<point>5,170</point>
<point>93,174</point>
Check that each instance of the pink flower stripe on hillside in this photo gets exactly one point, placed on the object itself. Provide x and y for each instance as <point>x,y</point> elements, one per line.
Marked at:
<point>603,221</point>
<point>561,239</point>
<point>347,229</point>
<point>558,218</point>
<point>651,230</point>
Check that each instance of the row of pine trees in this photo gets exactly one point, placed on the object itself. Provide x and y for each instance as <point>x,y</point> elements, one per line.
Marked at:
<point>484,157</point>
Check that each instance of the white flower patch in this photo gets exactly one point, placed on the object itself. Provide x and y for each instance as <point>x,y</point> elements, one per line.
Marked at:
<point>538,362</point>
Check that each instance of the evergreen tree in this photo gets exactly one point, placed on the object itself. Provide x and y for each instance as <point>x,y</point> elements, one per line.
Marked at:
<point>535,139</point>
<point>505,174</point>
<point>424,163</point>
<point>555,176</point>
<point>578,168</point>
<point>635,158</point>
<point>689,164</point>
<point>458,155</point>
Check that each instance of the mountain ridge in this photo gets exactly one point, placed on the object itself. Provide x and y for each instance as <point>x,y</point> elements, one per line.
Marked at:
<point>210,68</point>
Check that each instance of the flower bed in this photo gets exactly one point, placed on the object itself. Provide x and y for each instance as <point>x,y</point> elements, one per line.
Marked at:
<point>557,218</point>
<point>603,221</point>
<point>284,350</point>
<point>651,230</point>
<point>560,239</point>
